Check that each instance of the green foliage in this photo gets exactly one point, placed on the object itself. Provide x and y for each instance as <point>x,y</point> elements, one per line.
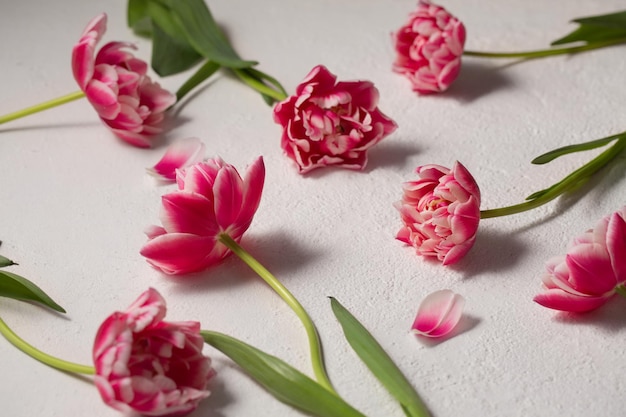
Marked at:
<point>19,288</point>
<point>284,382</point>
<point>597,29</point>
<point>379,362</point>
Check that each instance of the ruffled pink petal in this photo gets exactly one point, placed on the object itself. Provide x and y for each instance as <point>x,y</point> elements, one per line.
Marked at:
<point>180,253</point>
<point>438,314</point>
<point>185,212</point>
<point>252,190</point>
<point>103,99</point>
<point>179,155</point>
<point>135,139</point>
<point>83,52</point>
<point>558,299</point>
<point>228,192</point>
<point>147,310</point>
<point>616,244</point>
<point>590,270</point>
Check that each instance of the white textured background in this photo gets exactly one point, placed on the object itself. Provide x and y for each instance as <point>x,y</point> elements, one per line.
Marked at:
<point>74,201</point>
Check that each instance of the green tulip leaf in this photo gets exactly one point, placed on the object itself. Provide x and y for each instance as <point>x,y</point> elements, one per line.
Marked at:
<point>19,288</point>
<point>379,362</point>
<point>194,20</point>
<point>284,382</point>
<point>138,19</point>
<point>5,262</point>
<point>552,155</point>
<point>169,56</point>
<point>205,71</point>
<point>597,29</point>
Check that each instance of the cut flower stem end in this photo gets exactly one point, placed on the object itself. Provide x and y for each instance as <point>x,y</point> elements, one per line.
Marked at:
<point>546,52</point>
<point>43,357</point>
<point>42,106</point>
<point>314,342</point>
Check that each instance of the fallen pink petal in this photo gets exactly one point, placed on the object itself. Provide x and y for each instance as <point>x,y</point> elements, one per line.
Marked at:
<point>116,85</point>
<point>180,154</point>
<point>591,271</point>
<point>438,314</point>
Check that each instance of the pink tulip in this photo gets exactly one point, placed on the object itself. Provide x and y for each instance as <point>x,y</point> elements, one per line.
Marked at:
<point>116,84</point>
<point>591,271</point>
<point>438,314</point>
<point>179,155</point>
<point>212,200</point>
<point>429,48</point>
<point>440,211</point>
<point>150,366</point>
<point>331,123</point>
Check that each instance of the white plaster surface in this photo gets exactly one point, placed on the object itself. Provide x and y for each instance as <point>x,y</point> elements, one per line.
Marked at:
<point>74,201</point>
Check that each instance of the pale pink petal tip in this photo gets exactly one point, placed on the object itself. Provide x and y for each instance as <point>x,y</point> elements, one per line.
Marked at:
<point>179,155</point>
<point>438,314</point>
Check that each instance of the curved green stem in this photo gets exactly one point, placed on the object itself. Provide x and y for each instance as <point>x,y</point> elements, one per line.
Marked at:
<point>566,184</point>
<point>35,353</point>
<point>199,76</point>
<point>259,86</point>
<point>42,106</point>
<point>546,52</point>
<point>317,358</point>
<point>621,290</point>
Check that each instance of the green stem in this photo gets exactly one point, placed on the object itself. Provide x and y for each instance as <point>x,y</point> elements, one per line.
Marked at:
<point>621,290</point>
<point>199,76</point>
<point>42,106</point>
<point>259,86</point>
<point>35,353</point>
<point>314,342</point>
<point>546,52</point>
<point>567,183</point>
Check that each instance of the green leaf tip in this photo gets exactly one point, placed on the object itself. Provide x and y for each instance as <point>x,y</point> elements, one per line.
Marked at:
<point>593,29</point>
<point>19,288</point>
<point>378,361</point>
<point>6,262</point>
<point>284,382</point>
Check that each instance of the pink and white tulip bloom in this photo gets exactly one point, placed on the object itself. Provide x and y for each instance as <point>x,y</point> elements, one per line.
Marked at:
<point>438,314</point>
<point>179,155</point>
<point>429,48</point>
<point>441,212</point>
<point>212,200</point>
<point>331,123</point>
<point>116,85</point>
<point>591,271</point>
<point>150,366</point>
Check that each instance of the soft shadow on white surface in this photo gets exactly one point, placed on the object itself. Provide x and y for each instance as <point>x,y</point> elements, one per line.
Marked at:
<point>220,397</point>
<point>494,251</point>
<point>476,80</point>
<point>609,317</point>
<point>280,253</point>
<point>390,153</point>
<point>62,125</point>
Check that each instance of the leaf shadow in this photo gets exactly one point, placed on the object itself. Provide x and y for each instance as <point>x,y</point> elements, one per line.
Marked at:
<point>279,252</point>
<point>467,323</point>
<point>609,317</point>
<point>494,251</point>
<point>206,84</point>
<point>476,80</point>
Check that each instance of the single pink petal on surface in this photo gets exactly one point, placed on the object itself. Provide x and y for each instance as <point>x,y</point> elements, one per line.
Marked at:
<point>179,155</point>
<point>438,314</point>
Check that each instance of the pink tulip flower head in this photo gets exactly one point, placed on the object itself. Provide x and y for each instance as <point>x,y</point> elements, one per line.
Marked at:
<point>429,48</point>
<point>331,123</point>
<point>116,85</point>
<point>440,211</point>
<point>438,314</point>
<point>150,366</point>
<point>212,200</point>
<point>591,271</point>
